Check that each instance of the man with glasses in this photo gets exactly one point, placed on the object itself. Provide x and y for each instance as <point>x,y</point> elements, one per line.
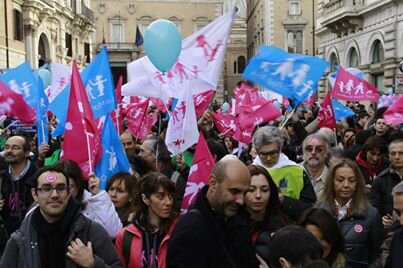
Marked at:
<point>296,190</point>
<point>316,153</point>
<point>56,234</point>
<point>15,189</point>
<point>383,184</point>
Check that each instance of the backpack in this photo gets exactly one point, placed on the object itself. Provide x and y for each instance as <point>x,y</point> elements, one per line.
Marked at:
<point>127,242</point>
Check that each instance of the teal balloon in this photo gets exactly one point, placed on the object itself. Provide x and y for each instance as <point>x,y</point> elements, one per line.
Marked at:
<point>225,107</point>
<point>163,44</point>
<point>46,77</point>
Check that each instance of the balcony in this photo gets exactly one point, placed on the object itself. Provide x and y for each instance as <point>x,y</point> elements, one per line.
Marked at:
<point>86,12</point>
<point>122,47</point>
<point>342,16</point>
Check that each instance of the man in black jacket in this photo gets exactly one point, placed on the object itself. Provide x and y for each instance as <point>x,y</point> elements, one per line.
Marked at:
<point>214,233</point>
<point>56,234</point>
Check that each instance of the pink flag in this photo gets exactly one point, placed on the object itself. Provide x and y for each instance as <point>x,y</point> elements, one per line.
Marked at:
<point>349,87</point>
<point>203,163</point>
<point>182,129</point>
<point>148,122</point>
<point>225,124</point>
<point>135,115</point>
<point>247,98</point>
<point>199,64</point>
<point>263,114</point>
<point>81,139</point>
<point>244,133</point>
<point>394,114</point>
<point>326,115</point>
<point>202,101</point>
<point>117,114</point>
<point>13,104</point>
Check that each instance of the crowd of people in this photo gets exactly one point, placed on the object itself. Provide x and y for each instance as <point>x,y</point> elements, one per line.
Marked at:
<point>296,196</point>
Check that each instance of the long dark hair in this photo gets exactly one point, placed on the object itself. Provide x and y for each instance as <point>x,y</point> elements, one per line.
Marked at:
<point>148,185</point>
<point>273,218</point>
<point>329,228</point>
<point>73,171</point>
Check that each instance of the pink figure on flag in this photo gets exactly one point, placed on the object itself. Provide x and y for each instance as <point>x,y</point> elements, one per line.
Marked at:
<point>180,69</point>
<point>181,107</point>
<point>160,77</point>
<point>203,163</point>
<point>195,71</point>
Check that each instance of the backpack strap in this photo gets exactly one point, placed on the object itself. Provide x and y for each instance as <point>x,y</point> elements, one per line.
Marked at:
<point>127,242</point>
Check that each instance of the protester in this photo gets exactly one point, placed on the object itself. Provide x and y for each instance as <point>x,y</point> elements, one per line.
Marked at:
<point>383,184</point>
<point>143,243</point>
<point>316,153</point>
<point>95,203</point>
<point>324,227</point>
<point>293,246</point>
<point>121,188</point>
<point>231,144</point>
<point>296,190</point>
<point>129,144</point>
<point>16,180</point>
<point>371,159</point>
<point>214,232</point>
<point>261,201</point>
<point>56,234</point>
<point>344,196</point>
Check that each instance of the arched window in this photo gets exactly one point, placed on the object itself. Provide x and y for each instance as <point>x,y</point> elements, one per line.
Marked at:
<point>333,63</point>
<point>354,62</point>
<point>377,52</point>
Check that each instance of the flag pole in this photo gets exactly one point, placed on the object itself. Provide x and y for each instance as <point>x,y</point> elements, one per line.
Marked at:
<point>287,119</point>
<point>43,131</point>
<point>89,150</point>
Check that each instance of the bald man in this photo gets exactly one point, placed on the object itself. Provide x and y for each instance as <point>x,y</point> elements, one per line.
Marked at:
<point>129,144</point>
<point>213,233</point>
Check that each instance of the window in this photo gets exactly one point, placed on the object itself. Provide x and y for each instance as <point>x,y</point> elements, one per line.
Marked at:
<point>241,64</point>
<point>294,9</point>
<point>354,62</point>
<point>116,33</point>
<point>295,42</point>
<point>69,45</point>
<point>18,25</point>
<point>377,54</point>
<point>87,53</point>
<point>333,63</point>
<point>377,81</point>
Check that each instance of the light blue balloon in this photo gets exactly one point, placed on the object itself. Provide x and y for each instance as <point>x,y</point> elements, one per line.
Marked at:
<point>162,43</point>
<point>225,107</point>
<point>46,77</point>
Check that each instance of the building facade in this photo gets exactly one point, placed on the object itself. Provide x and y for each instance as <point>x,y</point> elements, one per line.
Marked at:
<point>366,34</point>
<point>116,22</point>
<point>42,31</point>
<point>287,24</point>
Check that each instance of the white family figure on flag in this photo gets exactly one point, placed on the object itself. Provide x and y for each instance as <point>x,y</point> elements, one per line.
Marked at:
<point>307,87</point>
<point>349,86</point>
<point>327,112</point>
<point>246,133</point>
<point>193,188</point>
<point>112,158</point>
<point>299,75</point>
<point>258,121</point>
<point>134,113</point>
<point>200,99</point>
<point>359,89</point>
<point>99,83</point>
<point>24,90</point>
<point>285,68</point>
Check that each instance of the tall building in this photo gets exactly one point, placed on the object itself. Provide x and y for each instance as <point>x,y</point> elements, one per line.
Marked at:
<point>364,34</point>
<point>42,31</point>
<point>287,24</point>
<point>116,22</point>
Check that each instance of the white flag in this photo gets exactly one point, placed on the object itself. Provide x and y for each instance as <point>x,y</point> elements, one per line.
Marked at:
<point>182,129</point>
<point>61,77</point>
<point>199,64</point>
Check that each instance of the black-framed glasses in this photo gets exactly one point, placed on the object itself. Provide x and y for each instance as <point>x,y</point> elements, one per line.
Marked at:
<point>266,154</point>
<point>318,149</point>
<point>47,189</point>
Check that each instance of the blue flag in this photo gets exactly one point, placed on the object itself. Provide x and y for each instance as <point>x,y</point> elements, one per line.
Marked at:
<point>22,80</point>
<point>41,114</point>
<point>294,76</point>
<point>113,157</point>
<point>98,81</point>
<point>139,37</point>
<point>341,111</point>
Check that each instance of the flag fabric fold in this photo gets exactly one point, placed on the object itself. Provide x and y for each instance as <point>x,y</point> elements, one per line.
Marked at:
<point>81,139</point>
<point>113,158</point>
<point>139,37</point>
<point>202,165</point>
<point>12,104</point>
<point>394,114</point>
<point>182,129</point>
<point>326,115</point>
<point>340,110</point>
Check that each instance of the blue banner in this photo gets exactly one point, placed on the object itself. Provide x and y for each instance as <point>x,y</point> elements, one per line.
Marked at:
<point>341,111</point>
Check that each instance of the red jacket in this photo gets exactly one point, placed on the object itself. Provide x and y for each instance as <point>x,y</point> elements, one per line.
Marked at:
<point>136,247</point>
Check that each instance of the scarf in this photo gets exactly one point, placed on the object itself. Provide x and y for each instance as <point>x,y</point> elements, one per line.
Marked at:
<point>371,170</point>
